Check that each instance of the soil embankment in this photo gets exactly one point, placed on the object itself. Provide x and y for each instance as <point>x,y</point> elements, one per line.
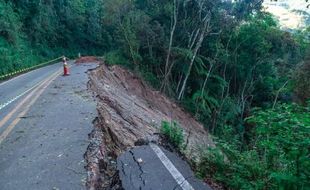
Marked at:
<point>129,111</point>
<point>87,59</point>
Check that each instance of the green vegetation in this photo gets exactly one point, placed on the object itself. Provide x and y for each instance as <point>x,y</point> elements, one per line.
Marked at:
<point>35,31</point>
<point>173,133</point>
<point>227,63</point>
<point>276,155</point>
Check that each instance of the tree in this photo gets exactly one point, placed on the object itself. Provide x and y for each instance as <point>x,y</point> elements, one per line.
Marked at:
<point>10,23</point>
<point>301,81</point>
<point>168,67</point>
<point>202,32</point>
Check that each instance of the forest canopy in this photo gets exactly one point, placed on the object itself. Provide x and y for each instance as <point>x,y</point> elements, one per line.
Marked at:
<point>226,62</point>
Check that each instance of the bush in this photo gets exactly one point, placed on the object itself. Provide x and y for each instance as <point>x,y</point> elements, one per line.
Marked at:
<point>277,156</point>
<point>116,58</point>
<point>173,132</point>
<point>302,82</point>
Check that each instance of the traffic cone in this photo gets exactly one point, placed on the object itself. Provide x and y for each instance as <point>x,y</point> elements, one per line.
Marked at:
<point>66,70</point>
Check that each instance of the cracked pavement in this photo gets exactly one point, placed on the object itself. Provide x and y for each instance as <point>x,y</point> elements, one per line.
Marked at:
<point>45,148</point>
<point>140,168</point>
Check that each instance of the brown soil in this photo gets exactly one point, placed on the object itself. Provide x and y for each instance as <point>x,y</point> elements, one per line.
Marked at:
<point>130,113</point>
<point>87,59</point>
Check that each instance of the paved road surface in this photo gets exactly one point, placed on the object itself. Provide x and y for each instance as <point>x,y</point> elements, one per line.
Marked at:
<point>151,167</point>
<point>43,138</point>
<point>44,122</point>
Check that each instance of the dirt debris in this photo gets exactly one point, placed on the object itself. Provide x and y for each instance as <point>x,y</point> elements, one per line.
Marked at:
<point>100,158</point>
<point>130,113</point>
<point>87,59</point>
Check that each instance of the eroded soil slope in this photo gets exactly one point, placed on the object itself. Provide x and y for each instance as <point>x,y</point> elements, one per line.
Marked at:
<point>130,111</point>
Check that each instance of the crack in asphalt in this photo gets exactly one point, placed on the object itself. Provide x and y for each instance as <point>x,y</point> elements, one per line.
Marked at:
<point>123,169</point>
<point>140,168</point>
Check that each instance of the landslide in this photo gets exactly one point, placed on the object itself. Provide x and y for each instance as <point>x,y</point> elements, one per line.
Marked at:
<point>87,59</point>
<point>129,111</point>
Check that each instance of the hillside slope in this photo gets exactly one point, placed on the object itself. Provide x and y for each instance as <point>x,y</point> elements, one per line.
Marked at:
<point>132,110</point>
<point>130,113</point>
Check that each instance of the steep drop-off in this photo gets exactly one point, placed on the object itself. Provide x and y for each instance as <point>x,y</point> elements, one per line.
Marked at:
<point>131,112</point>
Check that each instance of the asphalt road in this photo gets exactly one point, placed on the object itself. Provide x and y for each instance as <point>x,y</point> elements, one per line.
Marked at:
<point>151,167</point>
<point>44,122</point>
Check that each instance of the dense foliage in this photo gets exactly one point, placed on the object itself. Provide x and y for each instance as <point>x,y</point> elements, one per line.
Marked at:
<point>276,156</point>
<point>34,31</point>
<point>218,58</point>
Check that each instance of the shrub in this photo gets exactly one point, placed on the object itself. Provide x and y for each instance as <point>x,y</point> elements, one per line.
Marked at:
<point>173,132</point>
<point>116,58</point>
<point>277,156</point>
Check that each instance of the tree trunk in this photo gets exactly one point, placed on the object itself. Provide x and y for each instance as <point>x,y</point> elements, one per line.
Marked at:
<point>167,73</point>
<point>206,80</point>
<point>277,95</point>
<point>198,45</point>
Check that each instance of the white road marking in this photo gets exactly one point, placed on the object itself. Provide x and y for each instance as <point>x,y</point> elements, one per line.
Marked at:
<point>179,178</point>
<point>16,98</point>
<point>2,106</point>
<point>24,74</point>
<point>37,91</point>
<point>5,82</point>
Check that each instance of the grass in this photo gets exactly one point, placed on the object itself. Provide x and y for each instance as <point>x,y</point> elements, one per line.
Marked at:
<point>173,132</point>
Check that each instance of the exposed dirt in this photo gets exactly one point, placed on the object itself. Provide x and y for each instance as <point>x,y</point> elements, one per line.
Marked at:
<point>87,59</point>
<point>129,114</point>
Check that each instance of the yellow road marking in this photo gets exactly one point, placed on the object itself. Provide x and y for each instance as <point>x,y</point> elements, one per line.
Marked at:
<point>8,116</point>
<point>35,66</point>
<point>40,89</point>
<point>17,97</point>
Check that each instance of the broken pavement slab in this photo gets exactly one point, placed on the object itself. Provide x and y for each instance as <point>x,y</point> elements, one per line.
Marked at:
<point>152,167</point>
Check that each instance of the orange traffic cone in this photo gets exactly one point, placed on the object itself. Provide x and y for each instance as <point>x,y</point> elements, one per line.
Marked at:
<point>66,68</point>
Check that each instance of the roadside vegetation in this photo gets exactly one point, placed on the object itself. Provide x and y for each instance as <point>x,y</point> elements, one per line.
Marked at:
<point>275,154</point>
<point>229,64</point>
<point>35,31</point>
<point>174,133</point>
